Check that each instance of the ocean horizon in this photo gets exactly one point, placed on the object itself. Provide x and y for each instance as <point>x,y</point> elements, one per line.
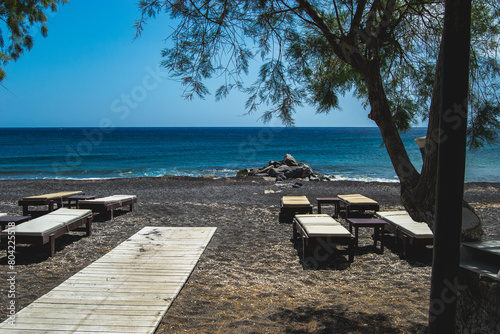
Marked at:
<point>100,153</point>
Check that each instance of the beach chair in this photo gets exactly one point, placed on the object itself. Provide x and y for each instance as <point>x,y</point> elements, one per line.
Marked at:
<point>110,203</point>
<point>321,231</point>
<point>45,229</point>
<point>290,205</point>
<point>403,227</point>
<point>51,200</point>
<point>358,202</point>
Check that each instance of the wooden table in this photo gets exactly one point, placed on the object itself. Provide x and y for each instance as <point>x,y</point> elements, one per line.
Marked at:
<point>5,220</point>
<point>329,200</point>
<point>377,224</point>
<point>77,198</point>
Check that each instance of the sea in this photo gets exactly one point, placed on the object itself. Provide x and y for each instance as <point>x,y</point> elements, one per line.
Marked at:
<point>100,153</point>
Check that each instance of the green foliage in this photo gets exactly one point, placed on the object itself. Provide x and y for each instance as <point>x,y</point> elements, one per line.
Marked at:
<point>313,51</point>
<point>17,17</point>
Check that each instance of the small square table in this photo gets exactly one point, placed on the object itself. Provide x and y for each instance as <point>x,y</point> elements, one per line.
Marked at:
<point>77,198</point>
<point>377,224</point>
<point>5,220</point>
<point>329,200</point>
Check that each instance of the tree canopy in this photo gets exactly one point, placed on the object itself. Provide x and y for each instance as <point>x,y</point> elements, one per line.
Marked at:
<point>17,19</point>
<point>314,51</point>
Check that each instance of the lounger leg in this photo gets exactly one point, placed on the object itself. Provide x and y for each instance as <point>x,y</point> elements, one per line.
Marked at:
<point>52,245</point>
<point>305,246</point>
<point>337,209</point>
<point>356,233</point>
<point>381,238</point>
<point>350,250</point>
<point>88,226</point>
<point>405,244</point>
<point>131,207</point>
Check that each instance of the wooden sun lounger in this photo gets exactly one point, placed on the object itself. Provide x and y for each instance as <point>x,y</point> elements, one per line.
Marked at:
<point>291,205</point>
<point>358,202</point>
<point>45,229</point>
<point>321,231</point>
<point>110,203</point>
<point>405,228</point>
<point>47,199</point>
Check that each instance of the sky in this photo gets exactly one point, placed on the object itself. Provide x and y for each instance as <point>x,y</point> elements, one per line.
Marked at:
<point>90,72</point>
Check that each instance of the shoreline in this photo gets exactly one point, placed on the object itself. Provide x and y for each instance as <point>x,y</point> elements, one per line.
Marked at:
<point>251,277</point>
<point>215,177</point>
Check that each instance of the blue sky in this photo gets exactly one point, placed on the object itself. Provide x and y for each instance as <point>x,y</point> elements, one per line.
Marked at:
<point>90,72</point>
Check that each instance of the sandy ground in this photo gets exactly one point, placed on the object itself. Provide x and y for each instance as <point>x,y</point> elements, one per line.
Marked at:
<point>250,279</point>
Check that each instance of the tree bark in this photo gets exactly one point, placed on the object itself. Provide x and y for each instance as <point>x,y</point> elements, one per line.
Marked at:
<point>381,114</point>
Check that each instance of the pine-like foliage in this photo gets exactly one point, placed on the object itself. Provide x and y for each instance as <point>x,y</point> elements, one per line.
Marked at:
<point>17,17</point>
<point>313,51</point>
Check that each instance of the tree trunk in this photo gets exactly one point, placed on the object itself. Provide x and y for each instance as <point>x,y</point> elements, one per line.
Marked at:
<point>381,114</point>
<point>418,191</point>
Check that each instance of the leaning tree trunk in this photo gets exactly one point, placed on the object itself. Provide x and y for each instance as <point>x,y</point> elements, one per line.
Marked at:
<point>418,191</point>
<point>421,199</point>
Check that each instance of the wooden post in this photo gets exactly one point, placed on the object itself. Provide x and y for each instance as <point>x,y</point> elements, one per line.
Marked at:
<point>451,167</point>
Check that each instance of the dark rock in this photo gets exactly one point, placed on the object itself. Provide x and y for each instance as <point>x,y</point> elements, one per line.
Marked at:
<point>288,168</point>
<point>242,173</point>
<point>289,160</point>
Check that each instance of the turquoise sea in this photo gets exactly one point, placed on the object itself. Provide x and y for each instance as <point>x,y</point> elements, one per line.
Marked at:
<point>90,153</point>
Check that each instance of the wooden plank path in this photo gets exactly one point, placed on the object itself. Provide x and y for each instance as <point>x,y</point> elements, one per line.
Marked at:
<point>127,290</point>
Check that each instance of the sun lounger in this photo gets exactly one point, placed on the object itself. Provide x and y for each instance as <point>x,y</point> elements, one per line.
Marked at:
<point>405,228</point>
<point>47,199</point>
<point>321,231</point>
<point>358,202</point>
<point>45,229</point>
<point>109,203</point>
<point>290,205</point>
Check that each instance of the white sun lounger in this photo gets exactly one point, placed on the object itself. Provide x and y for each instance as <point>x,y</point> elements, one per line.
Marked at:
<point>405,228</point>
<point>324,231</point>
<point>108,203</point>
<point>45,229</point>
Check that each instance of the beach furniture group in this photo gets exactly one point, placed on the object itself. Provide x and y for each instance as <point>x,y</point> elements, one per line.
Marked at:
<point>43,227</point>
<point>359,211</point>
<point>52,201</point>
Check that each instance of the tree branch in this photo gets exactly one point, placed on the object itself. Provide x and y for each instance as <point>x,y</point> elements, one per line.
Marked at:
<point>321,24</point>
<point>338,18</point>
<point>357,18</point>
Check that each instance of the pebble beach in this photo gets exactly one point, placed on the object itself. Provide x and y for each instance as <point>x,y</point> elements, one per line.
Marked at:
<point>250,279</point>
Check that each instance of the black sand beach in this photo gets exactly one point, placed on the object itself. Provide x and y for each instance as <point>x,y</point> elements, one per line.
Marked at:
<point>250,278</point>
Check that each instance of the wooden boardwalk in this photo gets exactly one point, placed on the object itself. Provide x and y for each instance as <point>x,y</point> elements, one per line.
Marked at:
<point>128,290</point>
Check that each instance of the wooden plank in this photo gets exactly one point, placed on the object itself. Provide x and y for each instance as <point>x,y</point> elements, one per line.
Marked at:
<point>58,313</point>
<point>128,290</point>
<point>30,331</point>
<point>101,309</point>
